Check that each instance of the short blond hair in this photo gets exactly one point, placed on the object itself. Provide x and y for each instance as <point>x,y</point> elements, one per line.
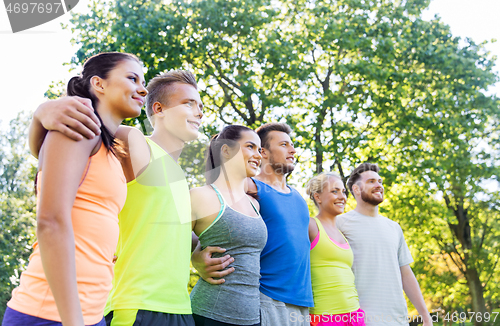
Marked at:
<point>317,183</point>
<point>162,86</point>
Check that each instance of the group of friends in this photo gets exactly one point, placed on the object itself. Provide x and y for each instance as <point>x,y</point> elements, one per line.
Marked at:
<point>117,225</point>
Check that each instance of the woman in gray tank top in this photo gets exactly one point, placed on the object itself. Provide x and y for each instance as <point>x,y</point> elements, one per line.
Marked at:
<point>225,216</point>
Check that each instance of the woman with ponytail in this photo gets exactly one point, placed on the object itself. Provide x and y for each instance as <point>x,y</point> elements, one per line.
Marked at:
<point>81,189</point>
<point>225,216</point>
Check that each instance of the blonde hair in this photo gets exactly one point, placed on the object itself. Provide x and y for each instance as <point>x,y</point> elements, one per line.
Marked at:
<point>162,87</point>
<point>317,183</point>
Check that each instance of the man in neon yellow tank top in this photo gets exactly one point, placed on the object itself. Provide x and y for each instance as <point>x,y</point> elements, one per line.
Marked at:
<point>152,269</point>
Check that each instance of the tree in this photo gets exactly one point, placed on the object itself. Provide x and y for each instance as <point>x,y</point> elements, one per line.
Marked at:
<point>234,46</point>
<point>425,118</point>
<point>448,153</point>
<point>358,81</point>
<point>17,206</point>
<point>454,140</point>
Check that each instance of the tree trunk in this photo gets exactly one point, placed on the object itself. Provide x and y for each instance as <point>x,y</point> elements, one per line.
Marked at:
<point>462,232</point>
<point>476,293</point>
<point>318,146</point>
<point>325,85</point>
<point>319,159</point>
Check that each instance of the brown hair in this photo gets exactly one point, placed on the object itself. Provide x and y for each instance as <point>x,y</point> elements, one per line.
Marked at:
<point>228,136</point>
<point>160,88</point>
<point>264,130</point>
<point>98,65</point>
<point>356,174</point>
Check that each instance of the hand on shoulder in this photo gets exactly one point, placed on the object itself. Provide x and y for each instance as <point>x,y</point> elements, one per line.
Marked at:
<point>73,116</point>
<point>66,145</point>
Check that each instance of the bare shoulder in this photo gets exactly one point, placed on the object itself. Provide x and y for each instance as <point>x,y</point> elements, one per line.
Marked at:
<point>129,134</point>
<point>137,148</point>
<point>123,131</point>
<point>312,223</point>
<point>63,162</point>
<point>205,207</point>
<point>64,143</point>
<point>313,229</point>
<point>201,194</point>
<point>59,152</point>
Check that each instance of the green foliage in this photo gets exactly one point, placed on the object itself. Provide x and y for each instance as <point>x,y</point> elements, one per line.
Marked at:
<point>55,90</point>
<point>193,278</point>
<point>358,81</point>
<point>17,206</point>
<point>192,161</point>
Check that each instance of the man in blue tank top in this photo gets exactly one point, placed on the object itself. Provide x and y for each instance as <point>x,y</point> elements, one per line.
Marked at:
<point>285,283</point>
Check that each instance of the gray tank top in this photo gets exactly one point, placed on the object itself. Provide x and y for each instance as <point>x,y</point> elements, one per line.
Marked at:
<point>237,301</point>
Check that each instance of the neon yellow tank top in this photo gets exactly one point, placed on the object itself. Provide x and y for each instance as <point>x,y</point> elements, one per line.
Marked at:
<point>154,246</point>
<point>332,279</point>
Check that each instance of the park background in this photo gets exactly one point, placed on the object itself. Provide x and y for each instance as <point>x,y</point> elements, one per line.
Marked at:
<point>358,80</point>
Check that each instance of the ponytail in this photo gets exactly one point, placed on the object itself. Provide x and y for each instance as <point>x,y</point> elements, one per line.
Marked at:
<point>98,65</point>
<point>228,136</point>
<point>213,165</point>
<point>76,88</point>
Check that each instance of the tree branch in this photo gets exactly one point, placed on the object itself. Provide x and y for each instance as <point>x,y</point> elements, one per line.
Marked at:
<point>233,105</point>
<point>444,247</point>
<point>222,75</point>
<point>491,274</point>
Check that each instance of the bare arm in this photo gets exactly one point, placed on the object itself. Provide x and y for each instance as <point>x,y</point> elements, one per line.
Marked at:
<point>412,290</point>
<point>210,269</point>
<point>73,116</point>
<point>194,241</point>
<point>136,146</point>
<point>313,229</point>
<point>62,164</point>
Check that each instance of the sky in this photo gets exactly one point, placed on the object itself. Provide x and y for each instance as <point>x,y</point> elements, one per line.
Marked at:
<point>32,59</point>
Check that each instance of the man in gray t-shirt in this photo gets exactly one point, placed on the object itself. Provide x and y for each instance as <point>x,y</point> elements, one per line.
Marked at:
<point>381,256</point>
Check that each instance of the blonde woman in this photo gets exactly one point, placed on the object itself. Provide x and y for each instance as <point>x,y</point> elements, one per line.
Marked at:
<point>335,297</point>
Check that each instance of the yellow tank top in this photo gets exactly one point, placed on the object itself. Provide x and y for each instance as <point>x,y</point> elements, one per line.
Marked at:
<point>332,279</point>
<point>154,248</point>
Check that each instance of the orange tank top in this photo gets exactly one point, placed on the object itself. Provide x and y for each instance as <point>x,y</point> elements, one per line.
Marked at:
<point>100,197</point>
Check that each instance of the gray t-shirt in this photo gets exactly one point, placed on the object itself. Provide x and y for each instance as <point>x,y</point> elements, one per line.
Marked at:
<point>379,250</point>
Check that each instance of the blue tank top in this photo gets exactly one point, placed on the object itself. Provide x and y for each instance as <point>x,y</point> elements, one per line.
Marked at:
<point>284,262</point>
